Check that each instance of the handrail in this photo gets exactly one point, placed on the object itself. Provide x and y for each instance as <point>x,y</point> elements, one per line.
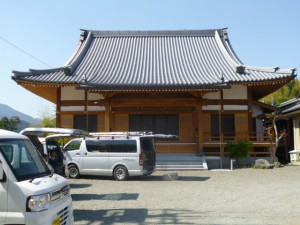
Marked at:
<point>254,137</point>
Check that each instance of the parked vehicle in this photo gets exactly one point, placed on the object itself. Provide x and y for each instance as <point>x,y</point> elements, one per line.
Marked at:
<point>47,139</point>
<point>117,154</point>
<point>29,192</point>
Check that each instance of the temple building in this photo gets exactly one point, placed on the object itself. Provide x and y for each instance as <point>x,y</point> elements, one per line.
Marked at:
<point>188,83</point>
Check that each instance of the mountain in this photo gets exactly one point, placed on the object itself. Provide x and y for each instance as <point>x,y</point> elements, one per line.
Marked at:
<point>26,120</point>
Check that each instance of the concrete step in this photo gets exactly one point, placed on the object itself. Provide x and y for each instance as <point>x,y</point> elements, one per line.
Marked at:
<point>180,167</point>
<point>180,162</point>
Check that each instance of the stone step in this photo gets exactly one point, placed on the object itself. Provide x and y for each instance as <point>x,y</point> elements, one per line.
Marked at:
<point>178,167</point>
<point>180,162</point>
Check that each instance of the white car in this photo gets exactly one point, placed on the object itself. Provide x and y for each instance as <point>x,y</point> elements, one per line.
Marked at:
<point>29,192</point>
<point>47,139</point>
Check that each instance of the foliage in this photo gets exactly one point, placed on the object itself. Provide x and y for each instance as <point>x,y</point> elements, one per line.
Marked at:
<point>287,92</point>
<point>48,118</point>
<point>237,150</point>
<point>64,141</point>
<point>9,124</point>
<point>48,122</point>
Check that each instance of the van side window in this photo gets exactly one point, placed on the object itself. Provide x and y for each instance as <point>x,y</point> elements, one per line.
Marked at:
<point>96,146</point>
<point>128,146</point>
<point>73,145</point>
<point>123,146</point>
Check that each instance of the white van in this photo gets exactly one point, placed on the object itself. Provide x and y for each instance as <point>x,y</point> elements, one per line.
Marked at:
<point>118,154</point>
<point>46,139</point>
<point>29,192</point>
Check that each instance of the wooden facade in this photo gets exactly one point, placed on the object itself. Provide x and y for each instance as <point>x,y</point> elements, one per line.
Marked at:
<point>195,114</point>
<point>189,83</point>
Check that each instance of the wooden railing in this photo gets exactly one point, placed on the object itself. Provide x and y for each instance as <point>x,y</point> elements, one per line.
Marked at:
<point>214,144</point>
<point>253,137</point>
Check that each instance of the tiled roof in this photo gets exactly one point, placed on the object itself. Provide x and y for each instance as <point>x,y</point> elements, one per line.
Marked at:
<point>290,106</point>
<point>187,59</point>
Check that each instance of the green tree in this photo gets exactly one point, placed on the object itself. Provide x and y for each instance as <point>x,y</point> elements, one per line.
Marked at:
<point>238,150</point>
<point>287,92</point>
<point>48,118</point>
<point>9,124</point>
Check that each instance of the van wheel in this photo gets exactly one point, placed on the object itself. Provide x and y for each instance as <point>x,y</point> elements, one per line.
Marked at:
<point>73,171</point>
<point>120,173</point>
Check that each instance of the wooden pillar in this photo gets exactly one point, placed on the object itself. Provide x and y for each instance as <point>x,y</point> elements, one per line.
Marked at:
<point>58,106</point>
<point>221,110</point>
<point>250,123</point>
<point>107,118</point>
<point>199,126</point>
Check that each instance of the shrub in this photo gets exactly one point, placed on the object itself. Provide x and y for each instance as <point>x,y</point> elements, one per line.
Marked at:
<point>237,150</point>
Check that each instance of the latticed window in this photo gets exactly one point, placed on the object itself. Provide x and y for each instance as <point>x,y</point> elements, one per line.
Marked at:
<point>87,123</point>
<point>159,124</point>
<point>227,125</point>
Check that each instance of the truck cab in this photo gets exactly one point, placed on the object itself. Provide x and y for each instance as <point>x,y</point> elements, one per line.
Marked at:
<point>30,193</point>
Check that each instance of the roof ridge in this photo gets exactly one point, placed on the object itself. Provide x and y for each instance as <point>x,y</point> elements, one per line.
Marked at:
<point>118,33</point>
<point>271,69</point>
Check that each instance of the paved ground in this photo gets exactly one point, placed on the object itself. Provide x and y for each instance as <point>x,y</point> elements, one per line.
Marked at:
<point>242,196</point>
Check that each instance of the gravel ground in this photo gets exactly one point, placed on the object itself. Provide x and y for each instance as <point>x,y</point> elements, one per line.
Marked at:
<point>242,196</point>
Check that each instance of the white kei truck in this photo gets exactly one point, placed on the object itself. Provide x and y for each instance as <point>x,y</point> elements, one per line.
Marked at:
<point>29,192</point>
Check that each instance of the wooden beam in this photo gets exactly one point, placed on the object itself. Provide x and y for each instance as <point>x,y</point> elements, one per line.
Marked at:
<point>153,101</point>
<point>58,107</point>
<point>199,127</point>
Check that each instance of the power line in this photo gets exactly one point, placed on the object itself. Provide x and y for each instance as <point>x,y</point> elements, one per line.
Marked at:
<point>26,53</point>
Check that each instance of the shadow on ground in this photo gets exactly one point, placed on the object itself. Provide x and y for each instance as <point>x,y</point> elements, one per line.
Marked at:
<point>180,178</point>
<point>110,197</point>
<point>80,185</point>
<point>134,216</point>
<point>145,178</point>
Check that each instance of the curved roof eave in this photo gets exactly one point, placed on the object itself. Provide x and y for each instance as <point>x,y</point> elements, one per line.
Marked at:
<point>238,71</point>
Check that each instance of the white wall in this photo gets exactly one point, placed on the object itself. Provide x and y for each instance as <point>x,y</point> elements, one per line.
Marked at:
<point>236,92</point>
<point>70,93</point>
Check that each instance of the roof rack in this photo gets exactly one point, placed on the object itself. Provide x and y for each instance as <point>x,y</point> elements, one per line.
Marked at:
<point>128,134</point>
<point>121,134</point>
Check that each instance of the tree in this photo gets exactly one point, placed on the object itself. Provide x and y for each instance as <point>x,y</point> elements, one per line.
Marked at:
<point>287,92</point>
<point>237,150</point>
<point>274,136</point>
<point>48,122</point>
<point>9,124</point>
<point>48,118</point>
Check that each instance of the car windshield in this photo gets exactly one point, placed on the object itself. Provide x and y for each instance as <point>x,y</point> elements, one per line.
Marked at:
<point>23,159</point>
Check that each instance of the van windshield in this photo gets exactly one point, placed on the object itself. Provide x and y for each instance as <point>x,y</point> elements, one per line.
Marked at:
<point>23,159</point>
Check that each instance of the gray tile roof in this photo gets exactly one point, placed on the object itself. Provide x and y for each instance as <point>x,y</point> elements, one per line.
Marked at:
<point>186,59</point>
<point>290,106</point>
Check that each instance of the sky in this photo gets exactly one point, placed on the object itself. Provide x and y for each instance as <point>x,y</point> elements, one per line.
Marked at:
<point>38,34</point>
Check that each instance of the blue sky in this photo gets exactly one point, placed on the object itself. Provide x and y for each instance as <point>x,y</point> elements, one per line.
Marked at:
<point>262,32</point>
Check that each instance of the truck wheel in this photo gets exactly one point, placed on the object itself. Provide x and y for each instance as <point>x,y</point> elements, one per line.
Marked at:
<point>120,173</point>
<point>73,171</point>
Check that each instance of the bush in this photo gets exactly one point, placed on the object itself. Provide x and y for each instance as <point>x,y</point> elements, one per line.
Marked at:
<point>237,150</point>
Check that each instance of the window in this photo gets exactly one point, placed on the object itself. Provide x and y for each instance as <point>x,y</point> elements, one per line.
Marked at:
<point>81,122</point>
<point>73,145</point>
<point>23,159</point>
<point>111,146</point>
<point>159,124</point>
<point>147,144</point>
<point>227,125</point>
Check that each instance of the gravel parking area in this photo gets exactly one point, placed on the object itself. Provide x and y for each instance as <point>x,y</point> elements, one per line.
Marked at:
<point>242,196</point>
